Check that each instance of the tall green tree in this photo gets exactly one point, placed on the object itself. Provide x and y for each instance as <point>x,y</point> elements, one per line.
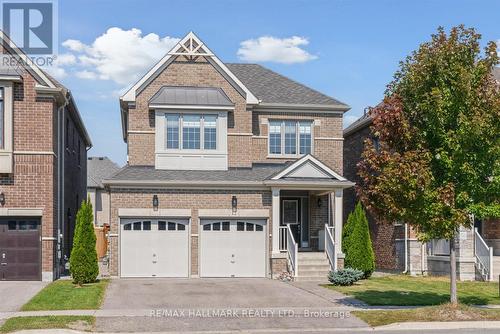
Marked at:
<point>83,260</point>
<point>357,244</point>
<point>438,158</point>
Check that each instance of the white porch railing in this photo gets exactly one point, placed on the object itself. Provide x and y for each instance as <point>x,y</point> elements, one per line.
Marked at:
<point>293,251</point>
<point>330,247</point>
<point>484,256</point>
<point>282,243</point>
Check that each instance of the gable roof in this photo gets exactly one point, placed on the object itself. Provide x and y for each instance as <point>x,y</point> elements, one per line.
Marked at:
<point>308,167</point>
<point>45,82</point>
<point>190,45</point>
<point>99,169</point>
<point>273,88</point>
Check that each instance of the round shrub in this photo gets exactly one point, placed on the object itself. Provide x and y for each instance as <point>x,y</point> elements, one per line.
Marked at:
<point>344,277</point>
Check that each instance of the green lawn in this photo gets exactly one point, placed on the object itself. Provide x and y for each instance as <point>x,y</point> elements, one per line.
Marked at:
<point>64,295</point>
<point>424,314</point>
<point>401,290</point>
<point>76,322</point>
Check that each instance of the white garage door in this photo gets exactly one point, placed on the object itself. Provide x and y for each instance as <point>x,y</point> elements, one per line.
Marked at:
<point>154,248</point>
<point>233,248</point>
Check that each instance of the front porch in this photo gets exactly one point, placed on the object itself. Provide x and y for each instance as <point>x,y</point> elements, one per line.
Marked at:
<point>307,218</point>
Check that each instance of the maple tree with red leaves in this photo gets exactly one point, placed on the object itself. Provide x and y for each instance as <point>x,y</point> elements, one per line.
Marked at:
<point>437,161</point>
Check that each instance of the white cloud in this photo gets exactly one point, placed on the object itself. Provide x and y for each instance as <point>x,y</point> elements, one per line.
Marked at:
<point>65,59</point>
<point>85,74</point>
<point>272,49</point>
<point>122,56</point>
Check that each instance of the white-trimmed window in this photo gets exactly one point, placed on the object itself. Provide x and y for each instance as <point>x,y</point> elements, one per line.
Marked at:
<point>290,138</point>
<point>190,132</point>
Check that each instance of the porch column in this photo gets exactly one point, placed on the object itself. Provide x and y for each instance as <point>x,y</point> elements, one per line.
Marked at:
<point>338,220</point>
<point>276,220</point>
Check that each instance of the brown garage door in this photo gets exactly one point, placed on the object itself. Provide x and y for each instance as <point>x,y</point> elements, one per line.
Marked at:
<point>20,254</point>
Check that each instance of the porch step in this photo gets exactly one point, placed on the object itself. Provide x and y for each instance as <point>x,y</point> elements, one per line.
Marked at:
<point>313,266</point>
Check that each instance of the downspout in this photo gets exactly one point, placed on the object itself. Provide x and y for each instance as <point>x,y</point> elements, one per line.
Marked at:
<point>406,249</point>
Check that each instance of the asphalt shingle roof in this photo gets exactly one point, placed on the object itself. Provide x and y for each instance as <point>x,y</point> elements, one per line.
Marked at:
<point>99,169</point>
<point>258,172</point>
<point>271,87</point>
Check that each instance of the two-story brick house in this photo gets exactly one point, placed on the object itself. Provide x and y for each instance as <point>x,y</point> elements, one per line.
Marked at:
<point>233,171</point>
<point>43,153</point>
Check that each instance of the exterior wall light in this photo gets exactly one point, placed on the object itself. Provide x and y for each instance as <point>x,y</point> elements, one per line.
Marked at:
<point>155,202</point>
<point>2,198</point>
<point>319,202</point>
<point>234,203</point>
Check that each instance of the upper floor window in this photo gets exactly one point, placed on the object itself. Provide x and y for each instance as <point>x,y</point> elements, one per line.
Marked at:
<point>191,131</point>
<point>290,137</point>
<point>2,118</point>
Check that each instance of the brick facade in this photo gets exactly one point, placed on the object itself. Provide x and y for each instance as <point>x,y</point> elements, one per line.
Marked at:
<point>33,184</point>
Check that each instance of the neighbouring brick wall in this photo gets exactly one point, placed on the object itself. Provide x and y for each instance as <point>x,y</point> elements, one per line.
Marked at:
<point>491,229</point>
<point>182,73</point>
<point>327,133</point>
<point>182,199</point>
<point>33,183</point>
<point>383,234</point>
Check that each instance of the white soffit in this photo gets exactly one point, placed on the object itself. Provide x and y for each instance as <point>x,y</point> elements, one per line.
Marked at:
<point>190,45</point>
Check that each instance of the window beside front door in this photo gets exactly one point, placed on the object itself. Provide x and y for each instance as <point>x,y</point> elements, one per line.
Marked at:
<point>290,138</point>
<point>290,211</point>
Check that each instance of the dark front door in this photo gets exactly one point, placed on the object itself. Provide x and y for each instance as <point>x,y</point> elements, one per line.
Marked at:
<point>20,250</point>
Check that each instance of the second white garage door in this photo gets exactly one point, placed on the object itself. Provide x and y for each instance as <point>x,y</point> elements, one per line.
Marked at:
<point>233,248</point>
<point>154,248</point>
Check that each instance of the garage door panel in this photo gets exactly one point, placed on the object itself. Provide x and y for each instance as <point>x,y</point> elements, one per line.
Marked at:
<point>159,249</point>
<point>238,251</point>
<point>20,249</point>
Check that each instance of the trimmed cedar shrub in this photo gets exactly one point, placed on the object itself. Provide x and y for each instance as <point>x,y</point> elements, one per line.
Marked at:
<point>346,276</point>
<point>357,244</point>
<point>83,260</point>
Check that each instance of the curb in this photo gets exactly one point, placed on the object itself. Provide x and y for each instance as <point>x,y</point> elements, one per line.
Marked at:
<point>439,325</point>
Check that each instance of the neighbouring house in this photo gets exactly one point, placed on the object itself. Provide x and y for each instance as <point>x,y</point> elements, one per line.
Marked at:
<point>99,169</point>
<point>396,246</point>
<point>43,154</point>
<point>233,171</point>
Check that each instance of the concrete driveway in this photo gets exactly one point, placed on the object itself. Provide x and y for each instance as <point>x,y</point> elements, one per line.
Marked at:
<point>16,294</point>
<point>270,305</point>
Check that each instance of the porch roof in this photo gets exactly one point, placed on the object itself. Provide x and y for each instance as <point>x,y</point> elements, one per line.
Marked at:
<point>261,175</point>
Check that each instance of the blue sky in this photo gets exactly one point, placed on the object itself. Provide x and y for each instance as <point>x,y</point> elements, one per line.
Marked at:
<point>346,49</point>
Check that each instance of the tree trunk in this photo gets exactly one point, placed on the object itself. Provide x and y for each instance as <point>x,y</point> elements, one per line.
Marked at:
<point>453,273</point>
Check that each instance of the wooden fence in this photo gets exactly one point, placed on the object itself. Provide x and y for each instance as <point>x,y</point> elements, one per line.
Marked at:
<point>101,244</point>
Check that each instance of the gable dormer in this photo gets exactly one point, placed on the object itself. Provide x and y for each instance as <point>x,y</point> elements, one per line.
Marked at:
<point>190,104</point>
